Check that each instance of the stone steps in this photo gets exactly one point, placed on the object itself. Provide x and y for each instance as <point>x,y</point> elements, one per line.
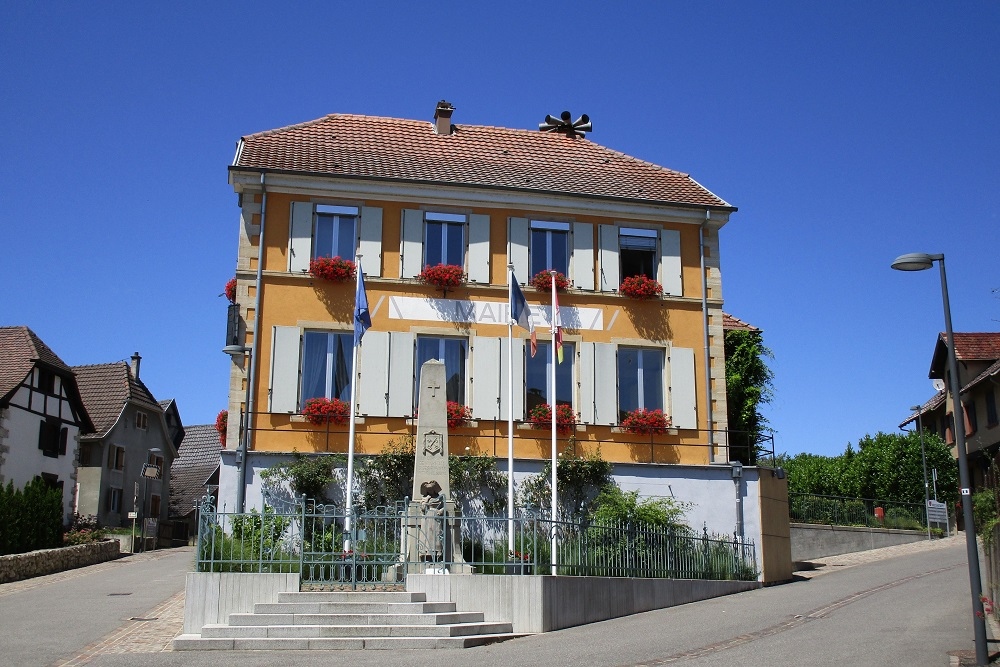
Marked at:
<point>348,620</point>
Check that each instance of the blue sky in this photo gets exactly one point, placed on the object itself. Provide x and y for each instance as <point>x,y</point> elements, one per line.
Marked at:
<point>846,133</point>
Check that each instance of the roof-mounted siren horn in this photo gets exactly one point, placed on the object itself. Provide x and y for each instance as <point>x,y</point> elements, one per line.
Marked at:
<point>580,126</point>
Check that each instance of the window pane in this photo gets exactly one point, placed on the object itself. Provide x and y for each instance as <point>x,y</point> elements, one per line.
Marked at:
<point>432,243</point>
<point>334,236</point>
<point>638,263</point>
<point>346,237</point>
<point>453,352</point>
<point>444,243</point>
<point>538,376</point>
<point>455,245</point>
<point>326,370</point>
<point>549,250</point>
<point>640,380</point>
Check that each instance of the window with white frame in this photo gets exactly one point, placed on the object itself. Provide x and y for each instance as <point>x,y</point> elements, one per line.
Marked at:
<point>454,352</point>
<point>637,252</point>
<point>326,365</point>
<point>114,500</point>
<point>640,379</point>
<point>538,377</point>
<point>335,231</point>
<point>444,239</point>
<point>549,247</point>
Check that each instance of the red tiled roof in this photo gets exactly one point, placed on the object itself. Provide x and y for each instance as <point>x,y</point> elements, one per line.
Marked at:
<point>20,348</point>
<point>730,323</point>
<point>374,147</point>
<point>977,346</point>
<point>106,388</point>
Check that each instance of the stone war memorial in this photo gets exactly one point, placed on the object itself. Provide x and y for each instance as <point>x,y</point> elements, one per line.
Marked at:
<point>433,543</point>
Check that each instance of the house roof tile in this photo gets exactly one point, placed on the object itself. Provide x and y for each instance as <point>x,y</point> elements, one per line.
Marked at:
<point>974,346</point>
<point>730,323</point>
<point>374,147</point>
<point>197,460</point>
<point>20,348</point>
<point>106,389</point>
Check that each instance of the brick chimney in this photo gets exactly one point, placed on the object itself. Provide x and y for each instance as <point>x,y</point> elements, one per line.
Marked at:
<point>442,117</point>
<point>136,359</point>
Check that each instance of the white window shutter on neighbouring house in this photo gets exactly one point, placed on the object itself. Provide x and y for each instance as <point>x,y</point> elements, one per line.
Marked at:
<point>400,374</point>
<point>683,397</point>
<point>300,238</point>
<point>608,256</point>
<point>518,379</point>
<point>518,238</point>
<point>670,262</point>
<point>372,378</point>
<point>283,394</point>
<point>479,249</point>
<point>413,241</point>
<point>370,240</point>
<point>605,383</point>
<point>583,256</point>
<point>486,370</point>
<point>587,383</point>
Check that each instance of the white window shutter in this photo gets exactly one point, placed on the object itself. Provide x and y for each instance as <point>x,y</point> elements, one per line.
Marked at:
<point>683,397</point>
<point>413,241</point>
<point>608,255</point>
<point>518,236</point>
<point>478,261</point>
<point>587,383</point>
<point>370,240</point>
<point>605,383</point>
<point>486,369</point>
<point>300,239</point>
<point>400,375</point>
<point>372,377</point>
<point>518,378</point>
<point>283,394</point>
<point>583,256</point>
<point>670,262</point>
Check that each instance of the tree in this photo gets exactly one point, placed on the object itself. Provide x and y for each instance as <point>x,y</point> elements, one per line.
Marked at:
<point>748,387</point>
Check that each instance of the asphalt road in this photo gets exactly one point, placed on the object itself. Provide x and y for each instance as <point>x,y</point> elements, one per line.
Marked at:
<point>907,610</point>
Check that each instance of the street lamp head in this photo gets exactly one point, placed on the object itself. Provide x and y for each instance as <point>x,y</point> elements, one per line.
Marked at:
<point>915,408</point>
<point>235,350</point>
<point>915,261</point>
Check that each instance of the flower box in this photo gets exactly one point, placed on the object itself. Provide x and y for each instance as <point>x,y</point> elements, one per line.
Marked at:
<point>221,424</point>
<point>640,287</point>
<point>645,422</point>
<point>458,415</point>
<point>443,276</point>
<point>541,417</point>
<point>321,411</point>
<point>230,291</point>
<point>334,269</point>
<point>542,281</point>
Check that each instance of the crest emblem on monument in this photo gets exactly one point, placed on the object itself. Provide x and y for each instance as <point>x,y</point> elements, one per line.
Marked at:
<point>433,443</point>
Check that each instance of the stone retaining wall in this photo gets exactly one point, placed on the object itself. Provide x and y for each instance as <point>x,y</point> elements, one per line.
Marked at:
<point>46,561</point>
<point>812,541</point>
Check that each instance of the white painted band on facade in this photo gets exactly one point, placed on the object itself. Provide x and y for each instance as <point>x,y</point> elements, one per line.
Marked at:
<point>489,312</point>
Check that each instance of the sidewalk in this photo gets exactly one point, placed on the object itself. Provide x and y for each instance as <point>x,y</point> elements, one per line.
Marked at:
<point>828,564</point>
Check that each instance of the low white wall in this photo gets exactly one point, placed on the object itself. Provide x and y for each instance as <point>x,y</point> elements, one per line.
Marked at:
<point>811,541</point>
<point>545,603</point>
<point>210,597</point>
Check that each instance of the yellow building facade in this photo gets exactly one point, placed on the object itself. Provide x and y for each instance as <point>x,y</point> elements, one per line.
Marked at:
<point>399,195</point>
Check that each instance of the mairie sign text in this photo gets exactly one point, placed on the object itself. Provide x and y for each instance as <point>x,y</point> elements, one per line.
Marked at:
<point>489,312</point>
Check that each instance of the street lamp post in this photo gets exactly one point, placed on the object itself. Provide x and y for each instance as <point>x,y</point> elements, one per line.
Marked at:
<point>923,461</point>
<point>244,426</point>
<point>918,262</point>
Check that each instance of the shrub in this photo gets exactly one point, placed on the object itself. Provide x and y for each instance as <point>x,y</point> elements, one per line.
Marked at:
<point>321,411</point>
<point>542,281</point>
<point>335,269</point>
<point>30,518</point>
<point>308,476</point>
<point>443,276</point>
<point>541,417</point>
<point>640,287</point>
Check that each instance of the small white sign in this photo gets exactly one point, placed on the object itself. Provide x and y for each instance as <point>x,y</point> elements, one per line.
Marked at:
<point>133,515</point>
<point>937,512</point>
<point>965,492</point>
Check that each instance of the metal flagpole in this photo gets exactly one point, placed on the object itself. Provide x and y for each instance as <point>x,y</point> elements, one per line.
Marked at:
<point>552,407</point>
<point>510,411</point>
<point>349,492</point>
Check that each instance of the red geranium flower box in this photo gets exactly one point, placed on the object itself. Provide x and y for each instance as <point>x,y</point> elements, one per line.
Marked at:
<point>320,411</point>
<point>542,281</point>
<point>443,276</point>
<point>645,421</point>
<point>640,287</point>
<point>230,291</point>
<point>222,423</point>
<point>335,269</point>
<point>458,414</point>
<point>541,417</point>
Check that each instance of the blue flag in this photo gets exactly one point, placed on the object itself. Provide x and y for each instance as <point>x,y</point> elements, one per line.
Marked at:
<point>362,318</point>
<point>519,311</point>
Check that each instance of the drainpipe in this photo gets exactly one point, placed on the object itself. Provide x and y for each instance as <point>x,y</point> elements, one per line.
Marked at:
<point>241,488</point>
<point>708,353</point>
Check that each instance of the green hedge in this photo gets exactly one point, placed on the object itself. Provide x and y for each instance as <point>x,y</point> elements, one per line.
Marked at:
<point>30,518</point>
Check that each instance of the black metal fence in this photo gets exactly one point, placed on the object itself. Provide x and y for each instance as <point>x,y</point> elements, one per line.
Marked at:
<point>844,511</point>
